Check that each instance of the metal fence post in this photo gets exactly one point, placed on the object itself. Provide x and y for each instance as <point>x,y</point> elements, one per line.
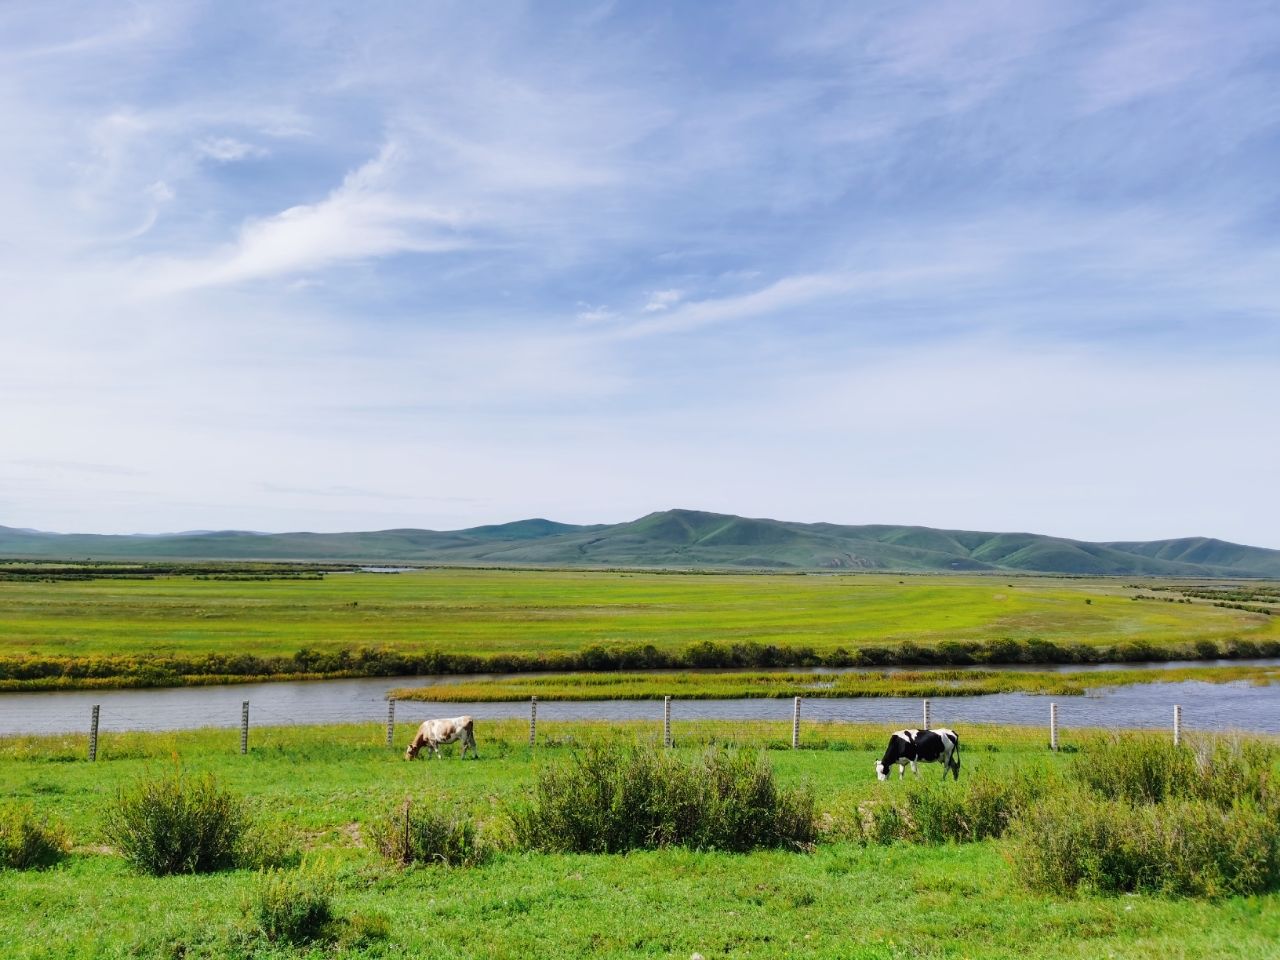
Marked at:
<point>926,715</point>
<point>1177,724</point>
<point>93,734</point>
<point>244,727</point>
<point>795,725</point>
<point>391,720</point>
<point>666,721</point>
<point>408,837</point>
<point>1053,727</point>
<point>533,721</point>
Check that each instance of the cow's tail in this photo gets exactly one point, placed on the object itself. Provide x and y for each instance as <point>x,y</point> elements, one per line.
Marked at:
<point>955,758</point>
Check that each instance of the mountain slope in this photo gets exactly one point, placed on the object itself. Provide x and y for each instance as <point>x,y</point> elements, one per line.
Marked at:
<point>683,538</point>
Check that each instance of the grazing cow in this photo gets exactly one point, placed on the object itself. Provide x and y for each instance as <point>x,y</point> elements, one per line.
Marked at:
<point>926,746</point>
<point>433,733</point>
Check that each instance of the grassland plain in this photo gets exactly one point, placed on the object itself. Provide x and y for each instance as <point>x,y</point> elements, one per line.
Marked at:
<point>487,613</point>
<point>321,786</point>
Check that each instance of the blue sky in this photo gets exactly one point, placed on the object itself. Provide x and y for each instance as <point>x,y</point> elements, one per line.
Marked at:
<point>1001,266</point>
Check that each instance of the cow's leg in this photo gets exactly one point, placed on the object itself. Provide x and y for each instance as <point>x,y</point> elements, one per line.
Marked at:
<point>915,769</point>
<point>902,769</point>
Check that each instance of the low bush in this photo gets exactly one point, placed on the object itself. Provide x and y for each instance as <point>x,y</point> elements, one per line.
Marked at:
<point>419,834</point>
<point>1144,769</point>
<point>1184,847</point>
<point>28,841</point>
<point>293,906</point>
<point>609,799</point>
<point>175,824</point>
<point>978,808</point>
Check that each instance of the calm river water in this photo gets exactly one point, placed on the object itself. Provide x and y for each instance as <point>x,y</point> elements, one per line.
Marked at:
<point>1205,706</point>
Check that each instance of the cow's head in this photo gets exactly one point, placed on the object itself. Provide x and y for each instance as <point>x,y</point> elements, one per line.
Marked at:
<point>411,751</point>
<point>881,773</point>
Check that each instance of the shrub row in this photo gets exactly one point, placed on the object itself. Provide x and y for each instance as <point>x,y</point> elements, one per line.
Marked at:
<point>1185,847</point>
<point>1147,816</point>
<point>366,661</point>
<point>1145,769</point>
<point>609,799</point>
<point>978,808</point>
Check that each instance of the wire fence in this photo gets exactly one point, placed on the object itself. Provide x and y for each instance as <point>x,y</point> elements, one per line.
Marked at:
<point>794,723</point>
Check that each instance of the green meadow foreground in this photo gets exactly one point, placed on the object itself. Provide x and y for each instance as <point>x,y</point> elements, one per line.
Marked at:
<point>319,789</point>
<point>174,629</point>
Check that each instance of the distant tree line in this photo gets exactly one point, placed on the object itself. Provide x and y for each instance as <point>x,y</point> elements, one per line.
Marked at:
<point>36,672</point>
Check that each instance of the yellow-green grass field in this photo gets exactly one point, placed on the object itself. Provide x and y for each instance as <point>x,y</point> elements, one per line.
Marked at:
<point>486,612</point>
<point>319,788</point>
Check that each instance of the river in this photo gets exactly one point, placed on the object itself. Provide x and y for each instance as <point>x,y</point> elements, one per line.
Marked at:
<point>1205,706</point>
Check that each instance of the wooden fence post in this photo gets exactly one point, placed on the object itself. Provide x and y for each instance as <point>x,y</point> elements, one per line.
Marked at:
<point>666,721</point>
<point>1177,724</point>
<point>795,726</point>
<point>1053,727</point>
<point>407,855</point>
<point>244,727</point>
<point>533,721</point>
<point>926,715</point>
<point>391,721</point>
<point>93,734</point>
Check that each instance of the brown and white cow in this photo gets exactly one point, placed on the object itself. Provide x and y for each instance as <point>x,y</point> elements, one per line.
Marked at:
<point>433,733</point>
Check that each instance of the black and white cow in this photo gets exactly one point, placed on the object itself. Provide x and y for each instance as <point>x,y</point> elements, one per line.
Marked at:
<point>925,746</point>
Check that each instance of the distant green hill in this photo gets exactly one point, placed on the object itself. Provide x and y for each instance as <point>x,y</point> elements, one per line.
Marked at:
<point>681,539</point>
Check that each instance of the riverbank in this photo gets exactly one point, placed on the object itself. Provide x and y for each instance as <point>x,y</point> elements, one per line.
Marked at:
<point>901,683</point>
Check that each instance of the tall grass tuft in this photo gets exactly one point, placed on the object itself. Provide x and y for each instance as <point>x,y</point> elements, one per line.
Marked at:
<point>175,824</point>
<point>419,834</point>
<point>28,841</point>
<point>1183,847</point>
<point>613,798</point>
<point>293,906</point>
<point>1142,769</point>
<point>979,808</point>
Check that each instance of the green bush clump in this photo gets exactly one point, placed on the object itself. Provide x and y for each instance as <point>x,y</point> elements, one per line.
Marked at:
<point>293,906</point>
<point>423,835</point>
<point>614,798</point>
<point>979,808</point>
<point>27,841</point>
<point>176,824</point>
<point>1143,769</point>
<point>1182,847</point>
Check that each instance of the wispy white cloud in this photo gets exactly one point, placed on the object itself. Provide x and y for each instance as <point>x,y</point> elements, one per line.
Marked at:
<point>1162,48</point>
<point>663,300</point>
<point>228,149</point>
<point>588,313</point>
<point>363,218</point>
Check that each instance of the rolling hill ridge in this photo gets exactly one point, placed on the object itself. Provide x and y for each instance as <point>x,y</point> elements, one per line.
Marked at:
<point>680,539</point>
